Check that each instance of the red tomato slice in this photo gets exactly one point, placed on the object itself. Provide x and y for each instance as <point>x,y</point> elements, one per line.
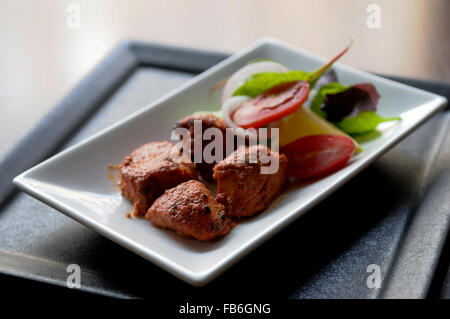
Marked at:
<point>271,105</point>
<point>316,155</point>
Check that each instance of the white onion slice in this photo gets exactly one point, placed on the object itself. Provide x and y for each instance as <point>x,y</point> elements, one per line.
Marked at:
<point>228,108</point>
<point>241,75</point>
<point>230,105</point>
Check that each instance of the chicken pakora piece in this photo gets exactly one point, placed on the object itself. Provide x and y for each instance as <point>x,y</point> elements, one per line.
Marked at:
<point>207,121</point>
<point>149,171</point>
<point>242,187</point>
<point>190,210</point>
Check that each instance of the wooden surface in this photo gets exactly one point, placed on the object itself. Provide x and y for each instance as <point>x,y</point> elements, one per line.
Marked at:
<point>42,57</point>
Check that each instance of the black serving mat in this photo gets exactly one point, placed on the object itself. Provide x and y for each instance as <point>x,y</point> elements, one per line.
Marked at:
<point>394,214</point>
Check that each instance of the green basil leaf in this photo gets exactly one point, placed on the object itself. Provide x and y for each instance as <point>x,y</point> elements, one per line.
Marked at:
<point>364,122</point>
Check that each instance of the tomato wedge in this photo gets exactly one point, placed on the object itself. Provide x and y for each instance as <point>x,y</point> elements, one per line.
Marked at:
<point>271,105</point>
<point>316,155</point>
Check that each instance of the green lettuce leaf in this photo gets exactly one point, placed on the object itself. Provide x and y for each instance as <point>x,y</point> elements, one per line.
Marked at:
<point>331,88</point>
<point>261,82</point>
<point>364,122</point>
<point>360,121</point>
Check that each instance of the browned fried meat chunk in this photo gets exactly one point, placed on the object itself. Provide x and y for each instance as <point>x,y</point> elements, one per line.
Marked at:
<point>207,121</point>
<point>242,187</point>
<point>149,171</point>
<point>191,211</point>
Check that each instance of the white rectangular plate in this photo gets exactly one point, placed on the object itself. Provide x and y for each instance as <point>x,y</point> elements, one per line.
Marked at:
<point>76,181</point>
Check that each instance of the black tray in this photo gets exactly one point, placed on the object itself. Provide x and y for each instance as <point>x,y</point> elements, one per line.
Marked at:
<point>394,214</point>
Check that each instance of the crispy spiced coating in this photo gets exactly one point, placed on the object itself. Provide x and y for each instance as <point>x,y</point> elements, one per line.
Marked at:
<point>149,171</point>
<point>241,186</point>
<point>208,121</point>
<point>191,211</point>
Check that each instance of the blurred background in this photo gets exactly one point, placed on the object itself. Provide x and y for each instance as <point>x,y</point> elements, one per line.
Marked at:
<point>43,55</point>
